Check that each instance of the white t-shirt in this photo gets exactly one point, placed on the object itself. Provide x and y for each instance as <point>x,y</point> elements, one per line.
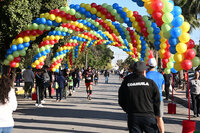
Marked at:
<point>6,110</point>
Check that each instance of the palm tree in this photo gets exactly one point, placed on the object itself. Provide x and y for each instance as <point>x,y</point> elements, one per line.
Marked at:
<point>190,11</point>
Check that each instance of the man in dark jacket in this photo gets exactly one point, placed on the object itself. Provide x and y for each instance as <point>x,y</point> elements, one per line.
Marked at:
<point>139,97</point>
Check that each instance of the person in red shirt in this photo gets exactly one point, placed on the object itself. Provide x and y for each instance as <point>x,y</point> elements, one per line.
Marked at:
<point>89,82</point>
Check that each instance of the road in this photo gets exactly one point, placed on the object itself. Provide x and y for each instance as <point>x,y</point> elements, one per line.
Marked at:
<point>76,114</point>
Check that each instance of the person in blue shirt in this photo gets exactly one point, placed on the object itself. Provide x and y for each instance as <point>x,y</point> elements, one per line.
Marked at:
<point>160,82</point>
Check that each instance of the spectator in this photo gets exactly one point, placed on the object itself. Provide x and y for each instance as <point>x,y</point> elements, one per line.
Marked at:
<point>194,85</point>
<point>167,78</point>
<point>39,88</point>
<point>106,75</point>
<point>29,80</point>
<point>18,77</point>
<point>160,82</point>
<point>61,85</point>
<point>8,104</point>
<point>96,77</point>
<point>47,83</point>
<point>139,97</point>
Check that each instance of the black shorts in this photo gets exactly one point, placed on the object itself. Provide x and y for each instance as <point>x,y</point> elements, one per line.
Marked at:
<point>70,87</point>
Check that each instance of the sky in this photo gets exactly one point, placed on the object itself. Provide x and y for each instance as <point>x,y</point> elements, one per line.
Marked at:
<point>118,53</point>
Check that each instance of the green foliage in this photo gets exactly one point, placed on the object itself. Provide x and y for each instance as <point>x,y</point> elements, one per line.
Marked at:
<point>98,57</point>
<point>126,63</point>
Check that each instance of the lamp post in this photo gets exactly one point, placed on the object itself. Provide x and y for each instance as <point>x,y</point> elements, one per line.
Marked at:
<point>86,63</point>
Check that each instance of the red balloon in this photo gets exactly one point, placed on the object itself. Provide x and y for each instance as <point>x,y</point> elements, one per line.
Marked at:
<point>62,14</point>
<point>142,24</point>
<point>150,56</point>
<point>56,12</point>
<point>34,32</point>
<point>68,16</point>
<point>77,29</point>
<point>51,12</point>
<point>73,27</point>
<point>104,11</point>
<point>190,44</point>
<point>167,55</point>
<point>108,15</point>
<point>46,42</point>
<point>165,61</point>
<point>159,22</point>
<point>164,65</point>
<point>93,5</point>
<point>138,18</point>
<point>135,13</point>
<point>74,18</point>
<point>99,7</point>
<point>41,63</point>
<point>144,30</point>
<point>157,5</point>
<point>113,18</point>
<point>190,54</point>
<point>186,64</point>
<point>51,42</point>
<point>38,67</point>
<point>133,56</point>
<point>12,64</point>
<point>157,15</point>
<point>17,59</point>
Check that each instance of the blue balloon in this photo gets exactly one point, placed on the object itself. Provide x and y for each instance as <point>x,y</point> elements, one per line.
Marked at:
<point>49,22</point>
<point>126,20</point>
<point>54,32</point>
<point>172,50</point>
<point>171,2</point>
<point>58,33</point>
<point>72,6</point>
<point>134,0</point>
<point>156,30</point>
<point>20,47</point>
<point>177,11</point>
<point>94,17</point>
<point>123,15</point>
<point>60,53</point>
<point>140,3</point>
<point>57,70</point>
<point>82,10</point>
<point>175,32</point>
<point>173,41</point>
<point>143,42</point>
<point>129,24</point>
<point>154,25</point>
<point>9,51</point>
<point>39,55</point>
<point>77,7</point>
<point>48,50</point>
<point>13,48</point>
<point>37,20</point>
<point>88,14</point>
<point>43,53</point>
<point>63,34</point>
<point>55,23</point>
<point>96,29</point>
<point>43,20</point>
<point>177,22</point>
<point>115,5</point>
<point>157,37</point>
<point>88,24</point>
<point>119,10</point>
<point>92,27</point>
<point>173,70</point>
<point>26,44</point>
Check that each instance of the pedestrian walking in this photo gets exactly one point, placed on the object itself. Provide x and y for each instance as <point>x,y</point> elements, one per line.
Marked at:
<point>70,84</point>
<point>61,85</point>
<point>89,82</point>
<point>28,76</point>
<point>194,85</point>
<point>106,75</point>
<point>8,103</point>
<point>160,82</point>
<point>139,97</point>
<point>47,83</point>
<point>18,77</point>
<point>167,78</point>
<point>39,88</point>
<point>96,77</point>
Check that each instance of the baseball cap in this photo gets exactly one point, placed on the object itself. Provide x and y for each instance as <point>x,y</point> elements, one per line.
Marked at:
<point>152,62</point>
<point>140,66</point>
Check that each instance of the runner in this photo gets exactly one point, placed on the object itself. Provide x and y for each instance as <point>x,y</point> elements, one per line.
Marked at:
<point>89,82</point>
<point>96,77</point>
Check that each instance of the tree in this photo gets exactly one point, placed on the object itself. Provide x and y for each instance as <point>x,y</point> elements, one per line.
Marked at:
<point>16,14</point>
<point>190,11</point>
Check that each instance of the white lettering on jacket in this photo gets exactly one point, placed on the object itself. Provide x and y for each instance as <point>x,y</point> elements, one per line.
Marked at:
<point>138,84</point>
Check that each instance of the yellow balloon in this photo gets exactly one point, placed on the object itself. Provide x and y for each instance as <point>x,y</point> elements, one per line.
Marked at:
<point>33,65</point>
<point>56,66</point>
<point>53,69</point>
<point>184,37</point>
<point>42,15</point>
<point>163,45</point>
<point>84,28</point>
<point>162,51</point>
<point>26,39</point>
<point>103,17</point>
<point>52,37</point>
<point>82,4</point>
<point>46,15</point>
<point>87,7</point>
<point>185,27</point>
<point>52,17</point>
<point>64,20</point>
<point>37,62</point>
<point>57,37</point>
<point>19,40</point>
<point>98,14</point>
<point>41,59</point>
<point>93,10</point>
<point>17,65</point>
<point>178,57</point>
<point>58,19</point>
<point>32,38</point>
<point>177,66</point>
<point>161,56</point>
<point>181,48</point>
<point>125,9</point>
<point>129,14</point>
<point>132,19</point>
<point>80,25</point>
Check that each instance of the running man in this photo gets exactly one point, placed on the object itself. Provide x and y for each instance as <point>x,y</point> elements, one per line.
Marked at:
<point>89,82</point>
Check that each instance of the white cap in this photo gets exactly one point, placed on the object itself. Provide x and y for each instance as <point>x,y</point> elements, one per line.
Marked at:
<point>152,62</point>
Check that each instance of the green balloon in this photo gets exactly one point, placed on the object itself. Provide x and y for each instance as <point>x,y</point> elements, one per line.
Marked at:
<point>100,27</point>
<point>117,17</point>
<point>96,24</point>
<point>60,28</point>
<point>62,9</point>
<point>170,65</point>
<point>75,41</point>
<point>42,49</point>
<point>48,28</point>
<point>168,7</point>
<point>72,11</point>
<point>145,18</point>
<point>167,35</point>
<point>65,29</point>
<point>22,52</point>
<point>121,20</point>
<point>66,9</point>
<point>29,27</point>
<point>109,8</point>
<point>54,59</point>
<point>114,12</point>
<point>150,30</point>
<point>195,61</point>
<point>171,59</point>
<point>167,71</point>
<point>47,47</point>
<point>148,24</point>
<point>37,50</point>
<point>41,27</point>
<point>127,32</point>
<point>104,5</point>
<point>10,57</point>
<point>151,36</point>
<point>35,26</point>
<point>167,18</point>
<point>83,16</point>
<point>78,15</point>
<point>57,57</point>
<point>16,54</point>
<point>166,27</point>
<point>70,31</point>
<point>6,62</point>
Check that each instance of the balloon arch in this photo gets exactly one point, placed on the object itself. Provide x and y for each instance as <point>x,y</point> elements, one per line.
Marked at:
<point>109,25</point>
